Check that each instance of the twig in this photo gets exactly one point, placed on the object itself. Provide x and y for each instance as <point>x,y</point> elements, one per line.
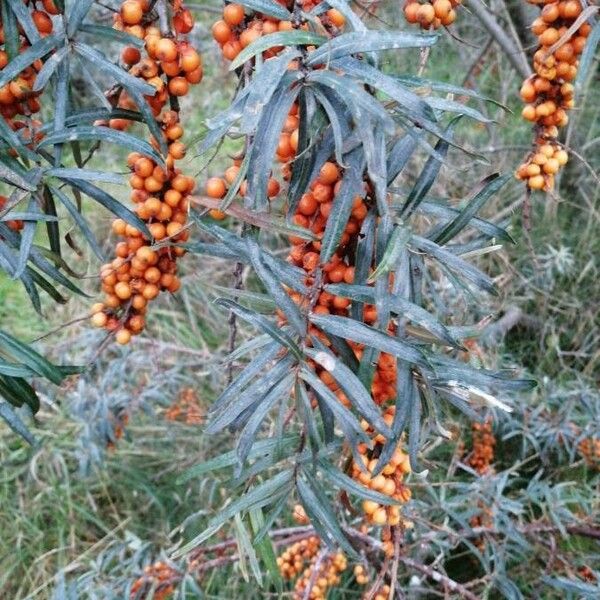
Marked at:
<point>516,56</point>
<point>438,577</point>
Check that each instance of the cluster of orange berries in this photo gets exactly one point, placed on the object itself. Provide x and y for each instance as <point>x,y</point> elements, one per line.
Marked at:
<point>170,65</point>
<point>589,448</point>
<point>362,578</point>
<point>186,408</point>
<point>320,576</point>
<point>292,561</point>
<point>160,192</point>
<point>158,579</point>
<point>18,98</point>
<point>549,93</point>
<point>484,443</point>
<point>431,15</point>
<point>236,29</point>
<point>389,482</point>
<point>217,187</point>
<point>119,421</point>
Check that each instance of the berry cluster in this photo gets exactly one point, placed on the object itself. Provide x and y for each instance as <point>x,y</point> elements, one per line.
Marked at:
<point>320,576</point>
<point>549,93</point>
<point>431,15</point>
<point>589,448</point>
<point>484,442</point>
<point>389,482</point>
<point>18,97</point>
<point>170,65</point>
<point>186,408</point>
<point>383,593</point>
<point>217,187</point>
<point>160,192</point>
<point>157,582</point>
<point>120,420</point>
<point>292,561</point>
<point>236,29</point>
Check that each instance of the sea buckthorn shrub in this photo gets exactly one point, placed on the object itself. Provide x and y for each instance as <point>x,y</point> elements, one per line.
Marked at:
<point>341,358</point>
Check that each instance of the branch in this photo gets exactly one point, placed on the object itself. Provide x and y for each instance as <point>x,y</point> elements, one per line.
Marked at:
<point>438,577</point>
<point>514,54</point>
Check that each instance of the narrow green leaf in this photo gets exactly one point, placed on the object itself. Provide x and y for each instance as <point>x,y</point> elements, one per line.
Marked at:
<point>114,206</point>
<point>321,513</point>
<point>488,188</point>
<point>102,134</point>
<point>28,57</point>
<point>98,60</point>
<point>23,14</point>
<point>268,7</point>
<point>351,386</point>
<point>259,496</point>
<point>77,14</point>
<point>13,420</point>
<point>368,41</point>
<point>398,240</point>
<point>35,361</point>
<point>281,38</point>
<point>364,334</point>
<point>105,33</point>
<point>264,325</point>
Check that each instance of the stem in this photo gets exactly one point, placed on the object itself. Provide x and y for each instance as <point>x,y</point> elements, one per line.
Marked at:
<point>515,55</point>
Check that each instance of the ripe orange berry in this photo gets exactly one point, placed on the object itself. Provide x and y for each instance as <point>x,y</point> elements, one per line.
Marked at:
<point>217,215</point>
<point>166,50</point>
<point>190,60</point>
<point>122,290</point>
<point>221,32</point>
<point>215,187</point>
<point>132,12</point>
<point>328,174</point>
<point>179,86</point>
<point>131,56</point>
<point>177,150</point>
<point>50,7</point>
<point>123,337</point>
<point>336,17</point>
<point>233,14</point>
<point>42,21</point>
<point>442,8</point>
<point>99,319</point>
<point>425,14</point>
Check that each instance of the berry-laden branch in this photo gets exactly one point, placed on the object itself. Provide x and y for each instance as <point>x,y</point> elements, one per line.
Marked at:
<point>235,32</point>
<point>549,92</point>
<point>144,267</point>
<point>20,98</point>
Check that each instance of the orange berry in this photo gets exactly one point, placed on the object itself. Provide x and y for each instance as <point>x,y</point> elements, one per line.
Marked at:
<point>122,290</point>
<point>131,56</point>
<point>215,187</point>
<point>221,32</point>
<point>233,14</point>
<point>179,86</point>
<point>132,12</point>
<point>328,174</point>
<point>123,337</point>
<point>166,50</point>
